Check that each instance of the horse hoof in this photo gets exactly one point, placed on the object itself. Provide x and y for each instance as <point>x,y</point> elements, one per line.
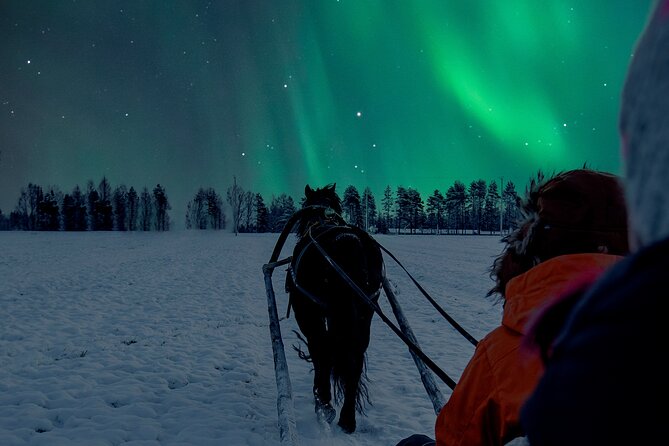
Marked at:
<point>347,427</point>
<point>325,412</point>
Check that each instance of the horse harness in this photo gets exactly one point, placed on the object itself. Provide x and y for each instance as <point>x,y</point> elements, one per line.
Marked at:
<point>329,221</point>
<point>329,218</point>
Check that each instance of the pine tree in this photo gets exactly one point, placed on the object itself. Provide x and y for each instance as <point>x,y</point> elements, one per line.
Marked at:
<point>368,208</point>
<point>205,210</point>
<point>415,214</point>
<point>145,210</point>
<point>161,205</point>
<point>476,201</point>
<point>92,198</point>
<point>133,208</point>
<point>510,202</point>
<point>79,212</point>
<point>262,214</point>
<point>280,210</point>
<point>436,205</point>
<point>491,208</point>
<point>456,199</point>
<point>401,208</point>
<point>68,213</point>
<point>103,208</point>
<point>120,208</point>
<point>48,212</point>
<point>214,210</point>
<point>387,204</point>
<point>351,206</point>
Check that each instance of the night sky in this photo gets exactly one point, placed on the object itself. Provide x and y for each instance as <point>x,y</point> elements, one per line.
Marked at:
<point>417,93</point>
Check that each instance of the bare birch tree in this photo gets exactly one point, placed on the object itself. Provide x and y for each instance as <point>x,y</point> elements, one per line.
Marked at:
<point>235,196</point>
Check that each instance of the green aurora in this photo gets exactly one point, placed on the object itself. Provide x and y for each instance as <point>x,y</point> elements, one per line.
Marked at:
<point>418,93</point>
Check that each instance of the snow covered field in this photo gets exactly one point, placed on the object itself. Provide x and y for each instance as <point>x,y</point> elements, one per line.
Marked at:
<point>162,338</point>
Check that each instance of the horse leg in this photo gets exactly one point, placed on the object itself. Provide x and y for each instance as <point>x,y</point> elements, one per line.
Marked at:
<point>351,382</point>
<point>319,350</point>
<point>354,390</point>
<point>322,395</point>
<point>322,371</point>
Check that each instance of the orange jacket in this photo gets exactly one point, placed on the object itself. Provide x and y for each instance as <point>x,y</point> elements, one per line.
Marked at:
<point>484,408</point>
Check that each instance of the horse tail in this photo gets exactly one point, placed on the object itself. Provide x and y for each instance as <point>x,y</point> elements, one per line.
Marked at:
<point>362,393</point>
<point>301,353</point>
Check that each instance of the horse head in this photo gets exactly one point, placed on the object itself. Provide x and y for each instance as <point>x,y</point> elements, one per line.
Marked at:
<point>324,198</point>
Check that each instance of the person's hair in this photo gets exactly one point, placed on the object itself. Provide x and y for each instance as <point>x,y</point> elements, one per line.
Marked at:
<point>577,211</point>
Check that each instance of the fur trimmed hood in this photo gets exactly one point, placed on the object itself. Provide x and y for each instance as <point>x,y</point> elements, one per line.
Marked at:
<point>577,211</point>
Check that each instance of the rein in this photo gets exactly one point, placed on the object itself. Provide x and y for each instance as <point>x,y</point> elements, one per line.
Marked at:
<point>434,303</point>
<point>371,301</point>
<point>292,268</point>
<point>289,227</point>
<point>377,309</point>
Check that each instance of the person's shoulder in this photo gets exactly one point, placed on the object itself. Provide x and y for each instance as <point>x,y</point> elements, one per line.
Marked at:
<point>499,346</point>
<point>636,281</point>
<point>626,300</point>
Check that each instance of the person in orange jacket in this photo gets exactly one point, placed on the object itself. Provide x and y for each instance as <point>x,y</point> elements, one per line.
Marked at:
<point>574,228</point>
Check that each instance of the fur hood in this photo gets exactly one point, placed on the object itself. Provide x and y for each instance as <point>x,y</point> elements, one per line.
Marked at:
<point>577,211</point>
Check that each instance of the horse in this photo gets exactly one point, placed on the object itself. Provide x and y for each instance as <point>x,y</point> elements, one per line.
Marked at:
<point>333,318</point>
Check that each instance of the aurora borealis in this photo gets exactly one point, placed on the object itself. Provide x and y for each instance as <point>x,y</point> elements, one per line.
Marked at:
<point>417,93</point>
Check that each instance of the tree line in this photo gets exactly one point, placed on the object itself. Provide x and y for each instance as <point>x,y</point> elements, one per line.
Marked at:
<point>479,208</point>
<point>248,209</point>
<point>97,208</point>
<point>476,209</point>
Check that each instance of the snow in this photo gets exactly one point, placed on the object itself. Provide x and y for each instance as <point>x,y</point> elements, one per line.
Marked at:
<point>162,338</point>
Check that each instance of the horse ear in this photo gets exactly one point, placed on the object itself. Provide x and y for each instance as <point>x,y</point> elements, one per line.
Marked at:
<point>308,190</point>
<point>332,186</point>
